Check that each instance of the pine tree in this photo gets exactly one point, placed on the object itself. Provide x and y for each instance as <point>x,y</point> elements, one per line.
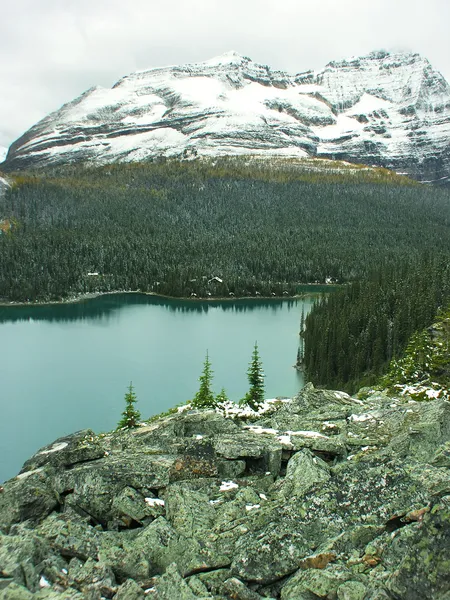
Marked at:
<point>204,398</point>
<point>255,396</point>
<point>130,416</point>
<point>222,397</point>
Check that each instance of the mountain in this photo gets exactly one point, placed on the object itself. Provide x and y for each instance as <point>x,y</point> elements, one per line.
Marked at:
<point>3,153</point>
<point>385,109</point>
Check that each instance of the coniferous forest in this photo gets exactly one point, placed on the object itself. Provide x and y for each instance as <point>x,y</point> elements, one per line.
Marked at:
<point>228,228</point>
<point>352,334</point>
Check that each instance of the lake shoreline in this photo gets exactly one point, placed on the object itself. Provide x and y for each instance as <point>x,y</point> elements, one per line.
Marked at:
<point>90,296</point>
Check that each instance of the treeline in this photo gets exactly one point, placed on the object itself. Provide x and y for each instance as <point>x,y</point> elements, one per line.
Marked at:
<point>352,335</point>
<point>209,228</point>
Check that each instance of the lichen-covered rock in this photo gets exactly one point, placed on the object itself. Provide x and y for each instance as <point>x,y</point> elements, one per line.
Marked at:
<point>422,569</point>
<point>92,575</point>
<point>129,591</point>
<point>314,583</point>
<point>82,446</point>
<point>15,592</point>
<point>29,496</point>
<point>239,591</point>
<point>323,496</point>
<point>171,585</point>
<point>304,472</point>
<point>351,590</point>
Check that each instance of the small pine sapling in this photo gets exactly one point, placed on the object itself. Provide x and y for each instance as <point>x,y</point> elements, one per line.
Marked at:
<point>222,397</point>
<point>254,398</point>
<point>130,416</point>
<point>204,398</point>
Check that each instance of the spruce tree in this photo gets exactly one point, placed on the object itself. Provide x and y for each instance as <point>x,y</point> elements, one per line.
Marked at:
<point>130,416</point>
<point>204,398</point>
<point>222,397</point>
<point>255,396</point>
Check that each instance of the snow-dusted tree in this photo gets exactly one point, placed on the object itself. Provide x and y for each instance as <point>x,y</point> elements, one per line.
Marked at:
<point>222,397</point>
<point>204,398</point>
<point>130,416</point>
<point>255,396</point>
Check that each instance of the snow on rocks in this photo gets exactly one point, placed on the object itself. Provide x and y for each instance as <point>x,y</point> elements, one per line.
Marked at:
<point>28,473</point>
<point>43,583</point>
<point>361,418</point>
<point>228,486</point>
<point>232,410</point>
<point>55,448</point>
<point>285,441</point>
<point>154,502</point>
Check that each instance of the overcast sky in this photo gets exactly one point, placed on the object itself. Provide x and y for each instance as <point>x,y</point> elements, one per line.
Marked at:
<point>53,50</point>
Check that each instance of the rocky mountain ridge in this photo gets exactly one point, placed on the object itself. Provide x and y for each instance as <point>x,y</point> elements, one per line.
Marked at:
<point>321,496</point>
<point>390,110</point>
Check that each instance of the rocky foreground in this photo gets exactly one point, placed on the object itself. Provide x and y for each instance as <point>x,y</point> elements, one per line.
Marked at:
<point>323,496</point>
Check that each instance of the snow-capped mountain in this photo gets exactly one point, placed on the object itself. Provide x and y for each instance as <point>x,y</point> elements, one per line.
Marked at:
<point>3,153</point>
<point>383,109</point>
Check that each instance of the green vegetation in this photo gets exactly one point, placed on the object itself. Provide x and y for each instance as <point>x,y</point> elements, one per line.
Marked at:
<point>131,416</point>
<point>221,397</point>
<point>424,371</point>
<point>217,228</point>
<point>204,398</point>
<point>255,396</point>
<point>352,335</point>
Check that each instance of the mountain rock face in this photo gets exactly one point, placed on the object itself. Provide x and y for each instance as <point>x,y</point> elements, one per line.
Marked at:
<point>390,110</point>
<point>321,496</point>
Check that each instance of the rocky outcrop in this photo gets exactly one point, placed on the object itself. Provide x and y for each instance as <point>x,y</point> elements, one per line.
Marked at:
<point>390,110</point>
<point>323,496</point>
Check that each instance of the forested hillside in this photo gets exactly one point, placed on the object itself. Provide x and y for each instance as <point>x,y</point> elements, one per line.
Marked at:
<point>352,335</point>
<point>204,228</point>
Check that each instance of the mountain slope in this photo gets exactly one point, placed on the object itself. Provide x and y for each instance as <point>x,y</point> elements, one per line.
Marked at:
<point>386,109</point>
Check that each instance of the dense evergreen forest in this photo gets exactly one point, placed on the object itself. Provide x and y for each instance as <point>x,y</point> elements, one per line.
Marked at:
<point>221,228</point>
<point>352,335</point>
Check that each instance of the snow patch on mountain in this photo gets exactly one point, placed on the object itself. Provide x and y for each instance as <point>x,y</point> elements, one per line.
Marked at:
<point>3,153</point>
<point>384,109</point>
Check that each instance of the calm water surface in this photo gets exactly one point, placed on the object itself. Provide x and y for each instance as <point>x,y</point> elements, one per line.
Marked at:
<point>66,367</point>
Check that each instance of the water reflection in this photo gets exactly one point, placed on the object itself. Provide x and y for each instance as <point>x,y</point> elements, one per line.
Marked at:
<point>103,308</point>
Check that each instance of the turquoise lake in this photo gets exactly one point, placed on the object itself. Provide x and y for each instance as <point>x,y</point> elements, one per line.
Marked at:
<point>67,367</point>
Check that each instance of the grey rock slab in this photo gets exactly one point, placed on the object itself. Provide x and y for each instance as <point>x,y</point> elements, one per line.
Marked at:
<point>351,590</point>
<point>261,453</point>
<point>314,583</point>
<point>267,555</point>
<point>190,513</point>
<point>304,471</point>
<point>129,591</point>
<point>29,496</point>
<point>238,590</point>
<point>82,446</point>
<point>171,585</point>
<point>91,488</point>
<point>15,592</point>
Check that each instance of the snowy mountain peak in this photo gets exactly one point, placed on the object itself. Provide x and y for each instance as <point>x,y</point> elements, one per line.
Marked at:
<point>226,58</point>
<point>387,109</point>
